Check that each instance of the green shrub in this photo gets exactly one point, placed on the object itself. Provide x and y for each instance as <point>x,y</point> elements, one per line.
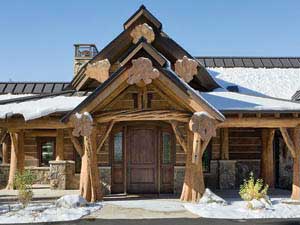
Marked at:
<point>23,183</point>
<point>254,189</point>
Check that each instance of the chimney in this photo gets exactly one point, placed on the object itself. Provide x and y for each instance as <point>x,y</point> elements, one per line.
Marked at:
<point>83,53</point>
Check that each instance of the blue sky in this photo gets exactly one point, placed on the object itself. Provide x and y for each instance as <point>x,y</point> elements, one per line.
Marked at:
<point>37,37</point>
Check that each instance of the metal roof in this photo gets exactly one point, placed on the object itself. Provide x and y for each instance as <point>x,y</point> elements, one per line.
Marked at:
<point>32,87</point>
<point>249,62</point>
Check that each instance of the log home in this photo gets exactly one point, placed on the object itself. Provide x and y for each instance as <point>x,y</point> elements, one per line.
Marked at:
<point>142,115</point>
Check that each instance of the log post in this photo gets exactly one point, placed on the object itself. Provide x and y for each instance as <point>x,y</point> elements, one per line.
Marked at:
<point>267,157</point>
<point>59,149</point>
<point>89,176</point>
<point>17,157</point>
<point>201,129</point>
<point>224,144</point>
<point>292,140</point>
<point>5,150</point>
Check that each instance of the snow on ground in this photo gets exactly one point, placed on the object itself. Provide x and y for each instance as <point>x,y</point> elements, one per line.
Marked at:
<point>274,82</point>
<point>237,209</point>
<point>156,205</point>
<point>33,109</point>
<point>47,212</point>
<point>225,100</point>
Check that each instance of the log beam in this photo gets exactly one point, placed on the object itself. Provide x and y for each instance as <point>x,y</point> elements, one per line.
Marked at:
<point>224,144</point>
<point>76,143</point>
<point>59,144</point>
<point>260,122</point>
<point>43,123</point>
<point>179,136</point>
<point>105,136</point>
<point>267,158</point>
<point>142,115</point>
<point>288,141</point>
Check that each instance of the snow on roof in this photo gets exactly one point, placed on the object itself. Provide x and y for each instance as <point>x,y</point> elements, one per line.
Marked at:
<point>273,82</point>
<point>34,109</point>
<point>11,96</point>
<point>231,101</point>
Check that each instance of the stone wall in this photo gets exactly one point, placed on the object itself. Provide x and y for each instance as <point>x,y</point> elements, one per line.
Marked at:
<point>223,174</point>
<point>42,174</point>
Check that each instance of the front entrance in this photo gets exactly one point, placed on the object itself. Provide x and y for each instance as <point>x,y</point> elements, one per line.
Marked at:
<point>143,156</point>
<point>142,160</point>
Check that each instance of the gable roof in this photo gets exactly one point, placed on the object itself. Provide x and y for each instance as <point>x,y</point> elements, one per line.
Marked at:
<point>168,72</point>
<point>249,62</point>
<point>162,43</point>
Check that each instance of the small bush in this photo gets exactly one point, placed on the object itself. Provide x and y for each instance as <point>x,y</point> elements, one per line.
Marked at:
<point>23,183</point>
<point>254,189</point>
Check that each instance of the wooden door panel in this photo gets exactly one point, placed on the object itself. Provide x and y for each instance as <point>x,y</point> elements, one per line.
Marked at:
<point>142,160</point>
<point>142,176</point>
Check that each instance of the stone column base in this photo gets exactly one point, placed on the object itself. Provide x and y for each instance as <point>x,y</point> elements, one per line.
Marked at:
<point>61,174</point>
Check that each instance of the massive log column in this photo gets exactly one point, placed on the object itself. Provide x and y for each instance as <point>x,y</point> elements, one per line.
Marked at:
<point>89,178</point>
<point>17,156</point>
<point>292,140</point>
<point>202,128</point>
<point>267,158</point>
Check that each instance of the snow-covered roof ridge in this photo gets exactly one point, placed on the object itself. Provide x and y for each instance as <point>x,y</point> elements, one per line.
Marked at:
<point>280,83</point>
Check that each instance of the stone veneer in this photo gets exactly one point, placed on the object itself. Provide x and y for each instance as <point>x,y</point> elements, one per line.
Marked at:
<point>61,174</point>
<point>42,174</point>
<point>223,174</point>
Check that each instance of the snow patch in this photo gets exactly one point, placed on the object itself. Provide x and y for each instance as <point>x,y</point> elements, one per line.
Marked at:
<point>238,209</point>
<point>66,208</point>
<point>71,201</point>
<point>33,109</point>
<point>235,101</point>
<point>274,82</point>
<point>210,197</point>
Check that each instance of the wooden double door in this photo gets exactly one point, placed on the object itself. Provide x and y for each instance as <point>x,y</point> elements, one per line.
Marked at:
<point>147,164</point>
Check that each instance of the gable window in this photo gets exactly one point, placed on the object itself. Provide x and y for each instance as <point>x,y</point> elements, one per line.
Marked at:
<point>46,150</point>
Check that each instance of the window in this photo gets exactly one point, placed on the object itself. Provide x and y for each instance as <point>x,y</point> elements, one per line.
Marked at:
<point>46,149</point>
<point>118,147</point>
<point>166,139</point>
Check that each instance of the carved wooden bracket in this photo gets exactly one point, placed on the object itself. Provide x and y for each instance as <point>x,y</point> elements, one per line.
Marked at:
<point>186,68</point>
<point>142,72</point>
<point>142,30</point>
<point>83,124</point>
<point>98,70</point>
<point>204,128</point>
